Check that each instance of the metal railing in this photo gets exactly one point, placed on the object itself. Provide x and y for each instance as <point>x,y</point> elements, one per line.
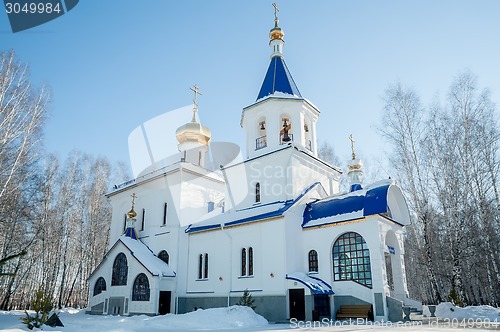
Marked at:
<point>261,142</point>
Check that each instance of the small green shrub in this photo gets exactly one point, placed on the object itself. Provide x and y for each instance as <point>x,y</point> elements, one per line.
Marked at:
<point>455,299</point>
<point>42,305</point>
<point>247,300</point>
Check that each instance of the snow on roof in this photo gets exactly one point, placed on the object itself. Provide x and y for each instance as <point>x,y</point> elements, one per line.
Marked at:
<point>246,215</point>
<point>316,285</point>
<point>353,205</point>
<point>145,256</point>
<point>235,217</point>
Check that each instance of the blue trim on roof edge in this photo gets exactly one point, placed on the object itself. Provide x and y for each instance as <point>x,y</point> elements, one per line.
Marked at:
<point>330,292</point>
<point>374,201</point>
<point>279,212</point>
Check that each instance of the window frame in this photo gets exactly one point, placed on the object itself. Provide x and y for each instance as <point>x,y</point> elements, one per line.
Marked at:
<point>351,259</point>
<point>250,262</point>
<point>141,290</point>
<point>257,193</point>
<point>163,253</point>
<point>243,262</point>
<point>165,210</point>
<point>98,286</point>
<point>119,273</point>
<point>313,262</point>
<point>143,221</point>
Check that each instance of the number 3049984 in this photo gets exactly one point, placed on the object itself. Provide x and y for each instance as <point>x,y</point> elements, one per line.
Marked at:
<point>32,8</point>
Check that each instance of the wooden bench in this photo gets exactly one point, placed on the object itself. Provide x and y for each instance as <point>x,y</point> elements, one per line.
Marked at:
<point>355,311</point>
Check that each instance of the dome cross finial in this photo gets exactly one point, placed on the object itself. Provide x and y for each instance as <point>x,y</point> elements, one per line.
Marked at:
<point>276,11</point>
<point>196,91</point>
<point>352,146</point>
<point>132,214</point>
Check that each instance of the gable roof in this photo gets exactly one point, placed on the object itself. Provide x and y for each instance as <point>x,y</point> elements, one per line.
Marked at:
<point>143,255</point>
<point>278,79</point>
<point>147,258</point>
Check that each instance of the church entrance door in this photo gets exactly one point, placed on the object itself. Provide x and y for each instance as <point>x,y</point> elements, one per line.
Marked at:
<point>164,303</point>
<point>297,304</point>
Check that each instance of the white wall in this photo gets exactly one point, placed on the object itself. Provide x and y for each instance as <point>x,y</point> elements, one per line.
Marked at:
<point>224,249</point>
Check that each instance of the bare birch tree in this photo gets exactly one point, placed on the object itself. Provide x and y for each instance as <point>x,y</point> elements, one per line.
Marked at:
<point>447,160</point>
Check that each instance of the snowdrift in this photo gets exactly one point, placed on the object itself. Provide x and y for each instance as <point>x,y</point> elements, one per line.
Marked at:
<point>209,319</point>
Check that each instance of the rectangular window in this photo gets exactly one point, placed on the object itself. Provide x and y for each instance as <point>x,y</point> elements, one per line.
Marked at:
<point>211,206</point>
<point>165,213</point>
<point>125,222</point>
<point>243,261</point>
<point>203,266</point>
<point>250,261</point>
<point>206,267</point>
<point>143,219</point>
<point>200,267</point>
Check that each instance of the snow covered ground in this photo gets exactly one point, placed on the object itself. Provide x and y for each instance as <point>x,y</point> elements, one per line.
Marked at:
<point>236,318</point>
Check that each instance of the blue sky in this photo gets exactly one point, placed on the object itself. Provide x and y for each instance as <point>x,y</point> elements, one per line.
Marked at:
<point>114,64</point>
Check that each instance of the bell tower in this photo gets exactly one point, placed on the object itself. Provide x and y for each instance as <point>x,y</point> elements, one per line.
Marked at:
<point>280,115</point>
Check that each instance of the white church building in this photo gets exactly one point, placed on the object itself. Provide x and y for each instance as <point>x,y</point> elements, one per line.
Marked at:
<point>188,235</point>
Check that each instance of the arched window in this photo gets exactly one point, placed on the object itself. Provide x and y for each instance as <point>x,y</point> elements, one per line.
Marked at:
<point>250,261</point>
<point>163,255</point>
<point>257,192</point>
<point>261,140</point>
<point>308,134</point>
<point>243,262</point>
<point>285,130</point>
<point>120,270</point>
<point>247,261</point>
<point>100,286</point>
<point>140,291</point>
<point>351,259</point>
<point>313,261</point>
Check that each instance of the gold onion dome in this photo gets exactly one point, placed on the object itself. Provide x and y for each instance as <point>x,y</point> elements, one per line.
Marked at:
<point>132,214</point>
<point>276,32</point>
<point>193,131</point>
<point>354,164</point>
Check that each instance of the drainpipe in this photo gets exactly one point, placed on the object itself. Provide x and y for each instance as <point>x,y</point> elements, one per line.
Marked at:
<point>229,191</point>
<point>230,263</point>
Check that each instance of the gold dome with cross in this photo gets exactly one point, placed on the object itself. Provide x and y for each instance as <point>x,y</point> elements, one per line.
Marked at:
<point>193,131</point>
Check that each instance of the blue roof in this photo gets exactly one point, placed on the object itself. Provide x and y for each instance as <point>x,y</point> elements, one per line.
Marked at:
<point>356,204</point>
<point>130,232</point>
<point>315,284</point>
<point>278,79</point>
<point>274,209</point>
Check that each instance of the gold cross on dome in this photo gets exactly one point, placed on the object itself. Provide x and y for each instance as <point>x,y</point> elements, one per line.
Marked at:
<point>196,92</point>
<point>134,196</point>
<point>352,146</point>
<point>276,11</point>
